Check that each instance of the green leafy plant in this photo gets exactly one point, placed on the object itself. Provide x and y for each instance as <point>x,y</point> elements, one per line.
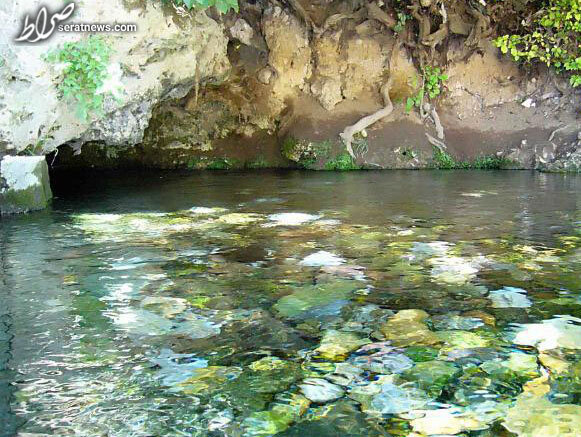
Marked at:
<point>85,70</point>
<point>552,37</point>
<point>223,6</point>
<point>223,164</point>
<point>402,17</point>
<point>444,161</point>
<point>433,80</point>
<point>342,162</point>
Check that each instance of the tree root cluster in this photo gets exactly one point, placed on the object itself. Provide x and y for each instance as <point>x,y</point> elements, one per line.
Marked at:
<point>434,23</point>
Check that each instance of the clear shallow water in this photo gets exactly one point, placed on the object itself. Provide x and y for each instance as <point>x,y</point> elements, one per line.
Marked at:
<point>296,304</point>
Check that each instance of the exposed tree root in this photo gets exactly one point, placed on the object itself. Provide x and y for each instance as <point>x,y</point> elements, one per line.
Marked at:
<point>376,13</point>
<point>350,131</point>
<point>557,130</point>
<point>439,144</point>
<point>439,128</point>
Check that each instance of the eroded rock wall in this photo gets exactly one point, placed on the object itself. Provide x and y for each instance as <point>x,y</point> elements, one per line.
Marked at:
<point>171,51</point>
<point>209,91</point>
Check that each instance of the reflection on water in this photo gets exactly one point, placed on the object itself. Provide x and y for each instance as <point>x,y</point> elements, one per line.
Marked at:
<point>296,304</point>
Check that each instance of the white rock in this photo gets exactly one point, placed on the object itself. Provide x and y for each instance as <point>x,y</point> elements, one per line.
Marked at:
<point>509,297</point>
<point>562,331</point>
<point>26,184</point>
<point>528,103</point>
<point>291,218</point>
<point>322,258</point>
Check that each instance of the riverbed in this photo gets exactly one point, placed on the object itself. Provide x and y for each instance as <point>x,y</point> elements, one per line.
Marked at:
<point>295,304</point>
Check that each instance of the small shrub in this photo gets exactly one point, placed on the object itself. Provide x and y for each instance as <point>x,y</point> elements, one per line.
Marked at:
<point>491,163</point>
<point>84,73</point>
<point>552,37</point>
<point>305,153</point>
<point>402,17</point>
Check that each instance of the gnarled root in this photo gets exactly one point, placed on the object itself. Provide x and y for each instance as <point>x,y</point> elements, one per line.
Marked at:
<point>350,131</point>
<point>435,142</point>
<point>431,110</point>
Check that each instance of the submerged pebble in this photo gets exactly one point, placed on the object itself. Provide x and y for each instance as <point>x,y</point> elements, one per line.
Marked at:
<point>320,391</point>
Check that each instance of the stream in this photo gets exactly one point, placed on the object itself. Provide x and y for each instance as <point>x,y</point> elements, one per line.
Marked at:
<point>294,303</point>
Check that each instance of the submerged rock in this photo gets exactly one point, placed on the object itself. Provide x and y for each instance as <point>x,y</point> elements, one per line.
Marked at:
<point>534,416</point>
<point>455,270</point>
<point>268,423</point>
<point>267,375</point>
<point>202,210</point>
<point>431,376</point>
<point>239,218</point>
<point>336,345</point>
<point>510,297</point>
<point>449,421</point>
<point>146,323</point>
<point>345,374</point>
<point>322,258</point>
<point>286,409</point>
<point>454,321</point>
<point>291,218</point>
<point>320,391</point>
<point>407,328</point>
<point>165,306</point>
<point>562,331</point>
<point>462,340</point>
<point>342,418</point>
<point>315,296</point>
<point>176,368</point>
<point>394,399</point>
<point>518,365</point>
<point>207,380</point>
<point>384,364</point>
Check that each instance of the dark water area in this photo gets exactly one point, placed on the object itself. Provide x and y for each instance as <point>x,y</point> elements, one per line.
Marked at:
<point>294,303</point>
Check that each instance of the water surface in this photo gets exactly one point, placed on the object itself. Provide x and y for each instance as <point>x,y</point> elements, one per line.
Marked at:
<point>296,304</point>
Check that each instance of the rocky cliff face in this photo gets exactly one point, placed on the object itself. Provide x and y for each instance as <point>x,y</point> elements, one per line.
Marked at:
<point>237,90</point>
<point>169,53</point>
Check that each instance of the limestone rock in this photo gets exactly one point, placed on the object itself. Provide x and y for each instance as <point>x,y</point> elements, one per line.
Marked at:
<point>289,51</point>
<point>24,184</point>
<point>242,31</point>
<point>160,61</point>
